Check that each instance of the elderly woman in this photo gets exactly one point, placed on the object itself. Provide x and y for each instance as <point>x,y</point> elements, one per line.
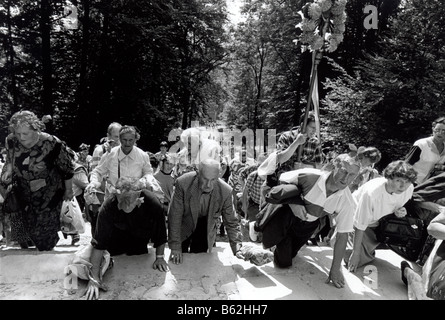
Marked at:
<point>42,167</point>
<point>128,220</point>
<point>427,155</point>
<point>375,199</point>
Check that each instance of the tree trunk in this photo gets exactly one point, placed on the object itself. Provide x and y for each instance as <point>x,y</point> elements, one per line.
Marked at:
<point>186,121</point>
<point>10,63</point>
<point>45,31</point>
<point>82,103</point>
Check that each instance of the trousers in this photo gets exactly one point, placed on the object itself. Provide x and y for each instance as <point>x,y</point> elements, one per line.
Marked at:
<point>288,233</point>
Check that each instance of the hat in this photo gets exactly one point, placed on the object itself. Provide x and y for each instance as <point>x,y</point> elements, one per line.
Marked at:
<point>164,144</point>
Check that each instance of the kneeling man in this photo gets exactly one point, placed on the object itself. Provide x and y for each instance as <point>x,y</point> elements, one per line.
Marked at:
<point>198,201</point>
<point>296,205</point>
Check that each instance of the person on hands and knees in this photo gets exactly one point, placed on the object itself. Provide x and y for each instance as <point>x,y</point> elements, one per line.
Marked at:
<point>295,206</point>
<point>198,201</point>
<point>375,199</point>
<point>127,221</point>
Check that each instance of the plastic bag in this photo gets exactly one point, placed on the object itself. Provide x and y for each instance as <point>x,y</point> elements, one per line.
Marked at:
<point>81,262</point>
<point>71,219</point>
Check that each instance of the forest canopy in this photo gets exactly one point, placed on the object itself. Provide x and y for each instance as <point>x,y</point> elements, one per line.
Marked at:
<point>157,63</point>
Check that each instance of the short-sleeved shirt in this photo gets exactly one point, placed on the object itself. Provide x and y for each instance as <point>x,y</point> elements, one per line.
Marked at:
<point>311,153</point>
<point>423,156</point>
<point>312,185</point>
<point>374,202</point>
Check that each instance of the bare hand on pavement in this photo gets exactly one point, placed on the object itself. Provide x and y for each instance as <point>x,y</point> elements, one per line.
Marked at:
<point>161,265</point>
<point>337,278</point>
<point>176,256</point>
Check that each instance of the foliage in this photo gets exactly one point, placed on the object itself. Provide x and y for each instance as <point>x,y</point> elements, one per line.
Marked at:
<point>395,95</point>
<point>322,25</point>
<point>145,63</point>
<point>155,63</point>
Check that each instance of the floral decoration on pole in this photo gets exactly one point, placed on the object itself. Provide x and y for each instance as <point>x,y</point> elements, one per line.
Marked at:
<point>322,28</point>
<point>322,25</point>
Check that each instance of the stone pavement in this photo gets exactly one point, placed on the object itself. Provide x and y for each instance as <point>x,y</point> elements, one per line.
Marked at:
<point>31,275</point>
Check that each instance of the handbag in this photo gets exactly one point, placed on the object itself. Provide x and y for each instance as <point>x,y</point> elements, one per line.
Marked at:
<point>404,236</point>
<point>11,202</point>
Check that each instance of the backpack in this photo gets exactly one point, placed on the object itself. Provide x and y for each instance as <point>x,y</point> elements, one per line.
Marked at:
<point>405,236</point>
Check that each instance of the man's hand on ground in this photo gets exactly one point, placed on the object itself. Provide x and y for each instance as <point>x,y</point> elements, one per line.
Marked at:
<point>176,256</point>
<point>161,265</point>
<point>337,278</point>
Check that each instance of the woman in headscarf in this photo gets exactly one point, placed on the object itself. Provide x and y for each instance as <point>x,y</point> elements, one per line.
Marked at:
<point>42,167</point>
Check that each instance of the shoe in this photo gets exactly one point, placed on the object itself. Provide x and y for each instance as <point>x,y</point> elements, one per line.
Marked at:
<point>24,245</point>
<point>403,265</point>
<point>253,235</point>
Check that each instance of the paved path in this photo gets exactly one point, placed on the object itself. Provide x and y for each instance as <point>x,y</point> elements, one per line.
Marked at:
<point>28,274</point>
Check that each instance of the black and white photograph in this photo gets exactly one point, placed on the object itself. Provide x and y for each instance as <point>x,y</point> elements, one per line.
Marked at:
<point>222,156</point>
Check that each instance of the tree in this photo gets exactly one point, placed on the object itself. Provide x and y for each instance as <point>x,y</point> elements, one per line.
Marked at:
<point>394,95</point>
<point>271,69</point>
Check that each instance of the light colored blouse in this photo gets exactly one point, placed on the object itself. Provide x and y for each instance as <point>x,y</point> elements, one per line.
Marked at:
<point>429,157</point>
<point>374,202</point>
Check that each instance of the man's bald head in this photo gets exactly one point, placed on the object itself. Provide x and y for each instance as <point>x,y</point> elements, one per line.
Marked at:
<point>211,164</point>
<point>208,172</point>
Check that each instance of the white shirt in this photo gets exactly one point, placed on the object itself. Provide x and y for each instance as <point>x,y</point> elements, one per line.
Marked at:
<point>374,202</point>
<point>429,157</point>
<point>116,164</point>
<point>340,204</point>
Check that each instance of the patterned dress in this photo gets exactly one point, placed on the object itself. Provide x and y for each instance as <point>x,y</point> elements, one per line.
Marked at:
<point>40,172</point>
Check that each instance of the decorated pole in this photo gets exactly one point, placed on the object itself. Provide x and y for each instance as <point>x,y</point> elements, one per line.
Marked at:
<point>322,26</point>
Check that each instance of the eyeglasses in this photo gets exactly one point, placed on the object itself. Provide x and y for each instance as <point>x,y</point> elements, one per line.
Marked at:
<point>439,130</point>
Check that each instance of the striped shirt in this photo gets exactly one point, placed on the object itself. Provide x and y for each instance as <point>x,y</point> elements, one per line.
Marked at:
<point>312,185</point>
<point>253,185</point>
<point>311,154</point>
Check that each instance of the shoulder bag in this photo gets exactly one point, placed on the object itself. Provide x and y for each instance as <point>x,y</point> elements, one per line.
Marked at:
<point>405,236</point>
<point>12,200</point>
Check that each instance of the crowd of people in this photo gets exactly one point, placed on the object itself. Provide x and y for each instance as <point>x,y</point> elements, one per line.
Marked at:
<point>189,191</point>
